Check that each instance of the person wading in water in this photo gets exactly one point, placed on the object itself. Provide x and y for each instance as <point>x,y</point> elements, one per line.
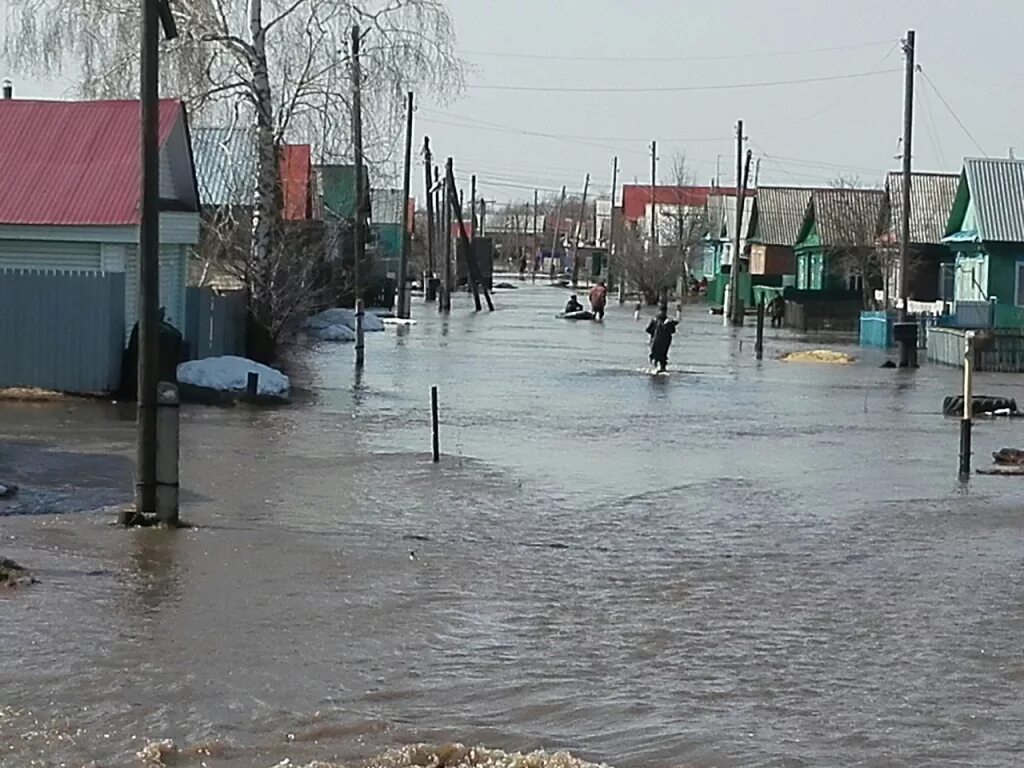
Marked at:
<point>598,299</point>
<point>661,329</point>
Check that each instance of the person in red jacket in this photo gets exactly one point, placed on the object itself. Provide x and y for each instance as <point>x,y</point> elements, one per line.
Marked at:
<point>598,298</point>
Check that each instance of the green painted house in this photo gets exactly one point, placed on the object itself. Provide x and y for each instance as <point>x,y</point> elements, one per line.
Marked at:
<point>986,232</point>
<point>836,239</point>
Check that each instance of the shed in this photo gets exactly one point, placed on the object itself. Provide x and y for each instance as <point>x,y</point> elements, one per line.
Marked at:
<point>70,197</point>
<point>776,220</point>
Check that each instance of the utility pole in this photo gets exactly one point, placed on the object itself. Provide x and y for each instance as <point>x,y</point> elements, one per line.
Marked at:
<point>449,195</point>
<point>472,206</point>
<point>654,195</point>
<point>906,348</point>
<point>611,228</point>
<point>359,250</point>
<point>155,14</point>
<point>579,233</point>
<point>431,229</point>
<point>534,245</point>
<point>733,309</point>
<point>403,262</point>
<point>557,226</point>
<point>483,217</point>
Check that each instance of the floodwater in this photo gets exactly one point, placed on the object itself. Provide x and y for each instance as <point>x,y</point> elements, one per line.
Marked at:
<point>739,564</point>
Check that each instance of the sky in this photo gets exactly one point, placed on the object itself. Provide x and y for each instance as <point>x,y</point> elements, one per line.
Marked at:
<point>556,88</point>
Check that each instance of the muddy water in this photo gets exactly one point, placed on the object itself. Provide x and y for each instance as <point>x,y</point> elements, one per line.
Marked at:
<point>734,565</point>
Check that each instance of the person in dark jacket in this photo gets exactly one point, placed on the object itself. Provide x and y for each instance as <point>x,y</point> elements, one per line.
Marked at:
<point>661,329</point>
<point>573,305</point>
<point>777,311</point>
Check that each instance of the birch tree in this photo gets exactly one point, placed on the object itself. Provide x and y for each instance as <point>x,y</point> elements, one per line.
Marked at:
<point>281,65</point>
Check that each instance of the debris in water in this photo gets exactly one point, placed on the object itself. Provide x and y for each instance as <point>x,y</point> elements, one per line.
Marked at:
<point>7,490</point>
<point>461,756</point>
<point>818,356</point>
<point>14,575</point>
<point>154,752</point>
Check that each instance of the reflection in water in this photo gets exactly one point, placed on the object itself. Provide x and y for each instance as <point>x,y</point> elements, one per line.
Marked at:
<point>154,577</point>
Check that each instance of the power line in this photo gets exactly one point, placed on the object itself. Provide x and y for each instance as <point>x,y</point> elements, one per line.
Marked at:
<point>481,126</point>
<point>640,59</point>
<point>951,111</point>
<point>680,88</point>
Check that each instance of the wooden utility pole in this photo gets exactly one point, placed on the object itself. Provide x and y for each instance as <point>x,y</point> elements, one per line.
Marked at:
<point>611,228</point>
<point>579,233</point>
<point>729,309</point>
<point>473,273</point>
<point>359,250</point>
<point>557,226</point>
<point>449,195</point>
<point>908,134</point>
<point>535,245</point>
<point>431,229</point>
<point>483,217</point>
<point>403,262</point>
<point>738,309</point>
<point>472,206</point>
<point>654,195</point>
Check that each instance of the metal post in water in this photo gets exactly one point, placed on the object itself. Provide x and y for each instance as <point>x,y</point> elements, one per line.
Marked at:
<point>759,342</point>
<point>435,437</point>
<point>965,421</point>
<point>167,432</point>
<point>360,353</point>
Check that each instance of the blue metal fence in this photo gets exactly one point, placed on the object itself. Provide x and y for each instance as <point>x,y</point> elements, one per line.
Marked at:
<point>61,331</point>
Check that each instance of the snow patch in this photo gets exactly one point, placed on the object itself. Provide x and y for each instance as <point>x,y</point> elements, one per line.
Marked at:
<point>334,333</point>
<point>230,374</point>
<point>346,317</point>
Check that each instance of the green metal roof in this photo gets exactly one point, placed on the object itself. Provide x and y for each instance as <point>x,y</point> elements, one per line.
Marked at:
<point>338,190</point>
<point>996,189</point>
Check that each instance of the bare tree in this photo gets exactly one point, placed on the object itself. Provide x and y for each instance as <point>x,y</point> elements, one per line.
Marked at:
<point>280,65</point>
<point>654,270</point>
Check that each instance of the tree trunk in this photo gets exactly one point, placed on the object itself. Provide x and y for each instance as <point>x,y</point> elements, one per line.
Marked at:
<point>267,213</point>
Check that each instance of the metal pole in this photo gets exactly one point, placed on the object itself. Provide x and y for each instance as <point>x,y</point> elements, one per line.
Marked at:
<point>403,262</point>
<point>534,245</point>
<point>965,421</point>
<point>759,341</point>
<point>435,438</point>
<point>908,133</point>
<point>149,271</point>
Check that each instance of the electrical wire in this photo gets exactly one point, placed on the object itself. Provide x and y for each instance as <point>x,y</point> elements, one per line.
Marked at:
<point>932,129</point>
<point>679,88</point>
<point>951,110</point>
<point>640,59</point>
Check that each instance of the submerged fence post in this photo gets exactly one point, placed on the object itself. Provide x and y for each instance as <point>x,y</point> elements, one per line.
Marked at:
<point>965,421</point>
<point>360,354</point>
<point>252,383</point>
<point>759,341</point>
<point>434,436</point>
<point>167,432</point>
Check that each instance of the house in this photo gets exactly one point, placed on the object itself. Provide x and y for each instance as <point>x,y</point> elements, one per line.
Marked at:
<point>931,200</point>
<point>716,228</point>
<point>226,168</point>
<point>985,231</point>
<point>671,205</point>
<point>296,167</point>
<point>778,213</point>
<point>837,239</point>
<point>69,200</point>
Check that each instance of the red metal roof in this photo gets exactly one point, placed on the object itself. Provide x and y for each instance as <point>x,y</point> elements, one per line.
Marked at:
<point>296,173</point>
<point>636,197</point>
<point>73,163</point>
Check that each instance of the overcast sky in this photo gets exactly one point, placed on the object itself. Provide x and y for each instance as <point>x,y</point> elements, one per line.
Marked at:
<point>534,65</point>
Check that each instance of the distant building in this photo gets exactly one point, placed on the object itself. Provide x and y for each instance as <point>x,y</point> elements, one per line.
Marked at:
<point>778,213</point>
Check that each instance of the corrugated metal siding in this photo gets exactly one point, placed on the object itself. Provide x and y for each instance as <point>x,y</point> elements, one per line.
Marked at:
<point>848,216</point>
<point>173,265</point>
<point>997,190</point>
<point>61,331</point>
<point>38,254</point>
<point>931,201</point>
